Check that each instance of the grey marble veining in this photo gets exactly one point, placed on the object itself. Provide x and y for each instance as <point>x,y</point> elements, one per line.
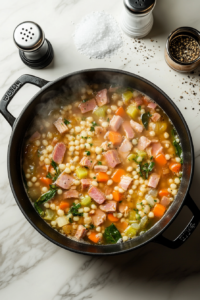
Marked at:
<point>30,266</point>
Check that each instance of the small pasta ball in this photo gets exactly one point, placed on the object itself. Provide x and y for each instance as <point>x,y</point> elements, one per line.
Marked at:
<point>109,182</point>
<point>151,215</point>
<point>177,180</point>
<point>166,135</point>
<point>77,129</point>
<point>47,161</point>
<point>45,143</point>
<point>120,103</point>
<point>152,133</point>
<point>98,150</point>
<point>178,159</point>
<point>29,183</point>
<point>134,142</point>
<point>105,124</point>
<point>167,156</point>
<point>44,189</point>
<point>49,148</point>
<point>60,212</point>
<point>28,175</point>
<point>37,143</point>
<point>34,179</point>
<point>52,206</point>
<point>109,111</point>
<point>113,107</point>
<point>59,192</point>
<point>129,169</point>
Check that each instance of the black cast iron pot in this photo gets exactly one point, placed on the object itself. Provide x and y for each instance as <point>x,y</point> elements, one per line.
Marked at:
<point>20,125</point>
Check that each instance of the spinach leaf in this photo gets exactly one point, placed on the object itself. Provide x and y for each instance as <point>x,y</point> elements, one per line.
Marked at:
<point>49,175</point>
<point>74,210</point>
<point>146,168</point>
<point>85,100</point>
<point>177,145</point>
<point>38,209</point>
<point>47,196</point>
<point>55,166</point>
<point>112,234</point>
<point>44,198</point>
<point>145,119</point>
<point>99,163</point>
<point>139,107</point>
<point>88,153</point>
<point>66,122</point>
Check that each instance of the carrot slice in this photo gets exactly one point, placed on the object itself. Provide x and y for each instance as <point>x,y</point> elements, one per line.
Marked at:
<point>46,181</point>
<point>102,177</point>
<point>120,112</point>
<point>118,174</point>
<point>63,205</point>
<point>121,226</point>
<point>112,218</point>
<point>175,167</point>
<point>159,210</point>
<point>160,159</point>
<point>93,237</point>
<point>163,192</point>
<point>115,137</point>
<point>116,195</point>
<point>146,101</point>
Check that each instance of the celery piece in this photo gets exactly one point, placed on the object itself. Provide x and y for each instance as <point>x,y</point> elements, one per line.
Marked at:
<point>130,231</point>
<point>49,214</point>
<point>131,157</point>
<point>132,111</point>
<point>85,201</point>
<point>132,215</point>
<point>101,111</point>
<point>141,153</point>
<point>126,96</point>
<point>81,172</point>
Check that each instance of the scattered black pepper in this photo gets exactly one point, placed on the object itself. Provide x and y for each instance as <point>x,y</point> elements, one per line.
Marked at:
<point>184,49</point>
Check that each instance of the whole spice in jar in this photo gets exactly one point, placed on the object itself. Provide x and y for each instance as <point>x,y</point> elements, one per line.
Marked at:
<point>184,49</point>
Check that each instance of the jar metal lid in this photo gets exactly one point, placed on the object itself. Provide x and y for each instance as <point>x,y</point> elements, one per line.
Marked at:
<point>139,6</point>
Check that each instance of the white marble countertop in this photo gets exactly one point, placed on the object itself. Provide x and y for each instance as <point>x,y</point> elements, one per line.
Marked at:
<point>30,266</point>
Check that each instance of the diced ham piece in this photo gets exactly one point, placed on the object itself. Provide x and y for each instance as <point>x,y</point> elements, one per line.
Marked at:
<point>165,171</point>
<point>143,143</point>
<point>112,158</point>
<point>70,194</point>
<point>99,217</point>
<point>153,180</point>
<point>85,183</point>
<point>165,201</point>
<point>81,232</point>
<point>125,182</point>
<point>109,206</point>
<point>64,181</point>
<point>136,126</point>
<point>35,136</point>
<point>155,117</point>
<point>100,168</point>
<point>97,195</point>
<point>86,162</point>
<point>156,149</point>
<point>87,106</point>
<point>123,208</point>
<point>99,130</point>
<point>59,152</point>
<point>60,125</point>
<point>102,97</point>
<point>152,105</point>
<point>149,151</point>
<point>126,146</point>
<point>116,122</point>
<point>108,190</point>
<point>106,136</point>
<point>128,130</point>
<point>138,101</point>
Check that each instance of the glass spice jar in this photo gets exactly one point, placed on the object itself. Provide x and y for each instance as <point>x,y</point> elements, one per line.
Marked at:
<point>182,51</point>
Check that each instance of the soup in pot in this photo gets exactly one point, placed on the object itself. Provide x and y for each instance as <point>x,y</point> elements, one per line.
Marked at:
<point>102,165</point>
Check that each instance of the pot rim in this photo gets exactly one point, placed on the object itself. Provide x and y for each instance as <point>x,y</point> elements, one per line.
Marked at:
<point>51,83</point>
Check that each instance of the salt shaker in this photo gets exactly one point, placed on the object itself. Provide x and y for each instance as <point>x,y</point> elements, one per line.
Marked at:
<point>35,51</point>
<point>137,17</point>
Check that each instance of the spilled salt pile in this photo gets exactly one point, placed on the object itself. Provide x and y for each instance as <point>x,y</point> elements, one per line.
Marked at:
<point>98,35</point>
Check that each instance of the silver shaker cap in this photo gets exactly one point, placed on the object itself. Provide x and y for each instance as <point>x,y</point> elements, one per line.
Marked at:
<point>139,6</point>
<point>28,36</point>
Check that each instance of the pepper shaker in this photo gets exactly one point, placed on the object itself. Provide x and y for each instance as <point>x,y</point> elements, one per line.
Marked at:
<point>35,51</point>
<point>137,17</point>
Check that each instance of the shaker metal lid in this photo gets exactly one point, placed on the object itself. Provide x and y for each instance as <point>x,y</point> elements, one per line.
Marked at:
<point>28,36</point>
<point>139,6</point>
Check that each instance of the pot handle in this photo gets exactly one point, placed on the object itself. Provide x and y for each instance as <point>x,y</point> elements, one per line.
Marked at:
<point>186,233</point>
<point>14,89</point>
